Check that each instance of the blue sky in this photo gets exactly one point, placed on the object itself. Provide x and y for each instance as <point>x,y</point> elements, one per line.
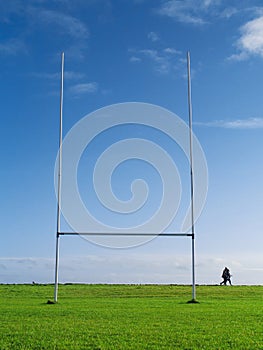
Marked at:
<point>132,51</point>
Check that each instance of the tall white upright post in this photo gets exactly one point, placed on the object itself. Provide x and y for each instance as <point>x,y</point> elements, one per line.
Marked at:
<point>59,179</point>
<point>191,176</point>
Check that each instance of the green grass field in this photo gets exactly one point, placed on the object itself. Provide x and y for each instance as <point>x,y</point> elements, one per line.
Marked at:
<point>131,317</point>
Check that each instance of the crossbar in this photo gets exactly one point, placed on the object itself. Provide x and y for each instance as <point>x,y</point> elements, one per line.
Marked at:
<point>123,234</point>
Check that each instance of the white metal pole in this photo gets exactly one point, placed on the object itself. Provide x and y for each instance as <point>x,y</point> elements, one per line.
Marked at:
<point>59,178</point>
<point>191,175</point>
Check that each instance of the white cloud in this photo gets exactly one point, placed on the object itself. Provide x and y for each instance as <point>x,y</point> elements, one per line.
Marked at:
<point>252,36</point>
<point>250,123</point>
<point>84,88</point>
<point>241,56</point>
<point>251,40</point>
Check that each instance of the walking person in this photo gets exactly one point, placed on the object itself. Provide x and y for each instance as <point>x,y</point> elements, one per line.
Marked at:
<point>226,277</point>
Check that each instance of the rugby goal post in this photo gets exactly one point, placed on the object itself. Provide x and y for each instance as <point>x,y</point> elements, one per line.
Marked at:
<point>58,230</point>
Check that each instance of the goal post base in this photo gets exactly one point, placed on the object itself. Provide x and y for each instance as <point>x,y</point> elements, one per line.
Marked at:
<point>193,301</point>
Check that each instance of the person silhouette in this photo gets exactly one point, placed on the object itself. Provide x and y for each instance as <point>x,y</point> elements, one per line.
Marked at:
<point>226,277</point>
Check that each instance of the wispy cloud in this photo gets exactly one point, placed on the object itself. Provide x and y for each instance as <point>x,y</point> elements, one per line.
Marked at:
<point>40,15</point>
<point>188,11</point>
<point>183,11</point>
<point>198,12</point>
<point>250,41</point>
<point>249,123</point>
<point>229,12</point>
<point>65,23</point>
<point>107,268</point>
<point>131,268</point>
<point>69,75</point>
<point>153,36</point>
<point>40,12</point>
<point>12,47</point>
<point>164,61</point>
<point>26,269</point>
<point>83,88</point>
<point>171,51</point>
<point>10,8</point>
<point>135,59</point>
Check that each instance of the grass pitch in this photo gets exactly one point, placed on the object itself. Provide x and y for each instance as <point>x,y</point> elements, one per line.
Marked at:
<point>131,317</point>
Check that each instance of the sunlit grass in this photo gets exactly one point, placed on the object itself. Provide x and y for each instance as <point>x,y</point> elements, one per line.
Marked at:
<point>131,317</point>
